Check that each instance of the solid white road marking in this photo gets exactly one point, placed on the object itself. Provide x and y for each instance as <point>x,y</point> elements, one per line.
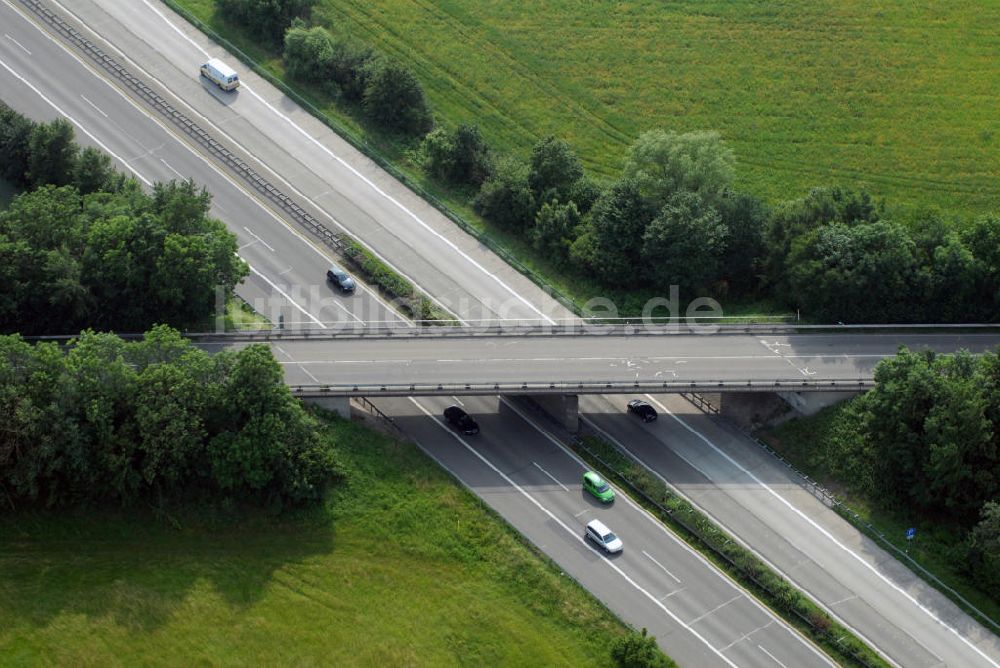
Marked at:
<point>365,179</point>
<point>575,534</point>
<point>314,378</point>
<point>565,488</point>
<point>154,120</point>
<point>290,300</point>
<point>76,123</point>
<point>662,567</point>
<point>18,43</point>
<point>168,166</point>
<point>829,536</point>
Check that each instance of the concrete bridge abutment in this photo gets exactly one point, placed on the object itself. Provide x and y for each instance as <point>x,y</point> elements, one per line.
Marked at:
<point>563,408</point>
<point>339,405</point>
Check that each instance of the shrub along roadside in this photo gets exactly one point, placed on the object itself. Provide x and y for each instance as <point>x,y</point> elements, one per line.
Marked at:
<point>741,564</point>
<point>400,291</point>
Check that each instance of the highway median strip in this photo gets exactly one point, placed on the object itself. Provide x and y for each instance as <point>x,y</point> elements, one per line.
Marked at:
<point>710,540</point>
<point>401,293</point>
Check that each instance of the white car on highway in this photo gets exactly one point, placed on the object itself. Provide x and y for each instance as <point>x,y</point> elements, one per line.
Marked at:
<point>602,535</point>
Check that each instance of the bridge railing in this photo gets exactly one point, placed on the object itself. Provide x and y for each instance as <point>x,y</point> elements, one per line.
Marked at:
<point>582,327</point>
<point>580,387</point>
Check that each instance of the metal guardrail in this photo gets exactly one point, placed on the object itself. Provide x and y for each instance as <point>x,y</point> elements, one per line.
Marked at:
<point>581,327</point>
<point>711,544</point>
<point>833,502</point>
<point>578,387</point>
<point>384,417</point>
<point>340,329</point>
<point>335,241</point>
<point>375,155</point>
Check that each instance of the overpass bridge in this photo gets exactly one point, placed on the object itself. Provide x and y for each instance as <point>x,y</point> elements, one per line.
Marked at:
<point>562,365</point>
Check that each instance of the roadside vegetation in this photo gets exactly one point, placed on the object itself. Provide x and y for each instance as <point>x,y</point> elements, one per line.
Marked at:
<point>398,565</point>
<point>671,206</point>
<point>83,246</point>
<point>155,421</point>
<point>699,531</point>
<point>921,450</point>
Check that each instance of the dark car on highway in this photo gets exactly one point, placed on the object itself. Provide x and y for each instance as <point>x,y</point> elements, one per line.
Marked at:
<point>339,277</point>
<point>642,409</point>
<point>461,420</point>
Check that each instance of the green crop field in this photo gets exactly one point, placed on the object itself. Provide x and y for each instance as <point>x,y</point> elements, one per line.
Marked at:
<point>402,567</point>
<point>901,98</point>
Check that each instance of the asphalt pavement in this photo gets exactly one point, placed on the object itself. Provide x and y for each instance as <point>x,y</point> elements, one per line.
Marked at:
<point>766,506</point>
<point>287,276</point>
<point>345,188</point>
<point>329,177</point>
<point>582,358</point>
<point>698,615</point>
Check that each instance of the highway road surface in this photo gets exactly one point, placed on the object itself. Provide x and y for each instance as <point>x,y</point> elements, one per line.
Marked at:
<point>707,624</point>
<point>765,505</point>
<point>344,188</point>
<point>350,190</point>
<point>539,359</point>
<point>287,269</point>
<point>696,613</point>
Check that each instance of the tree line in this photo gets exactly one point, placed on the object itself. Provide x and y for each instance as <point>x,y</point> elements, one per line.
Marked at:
<point>110,421</point>
<point>86,247</point>
<point>930,441</point>
<point>675,218</point>
<point>387,91</point>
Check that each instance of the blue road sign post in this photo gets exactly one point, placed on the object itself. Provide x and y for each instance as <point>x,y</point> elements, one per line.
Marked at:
<point>911,533</point>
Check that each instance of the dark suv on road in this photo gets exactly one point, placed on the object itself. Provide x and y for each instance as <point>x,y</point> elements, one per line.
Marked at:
<point>642,409</point>
<point>339,277</point>
<point>461,420</point>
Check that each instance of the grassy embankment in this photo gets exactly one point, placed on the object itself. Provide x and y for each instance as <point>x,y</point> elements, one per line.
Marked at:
<point>401,566</point>
<point>822,445</point>
<point>807,94</point>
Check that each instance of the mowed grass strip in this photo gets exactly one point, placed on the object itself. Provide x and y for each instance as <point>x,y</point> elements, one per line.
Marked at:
<point>401,567</point>
<point>899,98</point>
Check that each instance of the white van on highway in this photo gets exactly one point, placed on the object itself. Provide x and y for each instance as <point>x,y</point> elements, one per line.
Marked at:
<point>220,74</point>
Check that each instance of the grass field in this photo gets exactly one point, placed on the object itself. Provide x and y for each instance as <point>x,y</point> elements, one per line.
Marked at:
<point>900,98</point>
<point>820,446</point>
<point>402,567</point>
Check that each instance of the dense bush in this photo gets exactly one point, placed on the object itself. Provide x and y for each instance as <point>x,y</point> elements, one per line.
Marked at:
<point>265,19</point>
<point>983,550</point>
<point>96,251</point>
<point>36,154</point>
<point>308,54</point>
<point>664,163</point>
<point>555,229</point>
<point>638,650</point>
<point>506,198</point>
<point>122,261</point>
<point>394,98</point>
<point>157,419</point>
<point>554,169</point>
<point>683,245</point>
<point>932,432</point>
<point>460,156</point>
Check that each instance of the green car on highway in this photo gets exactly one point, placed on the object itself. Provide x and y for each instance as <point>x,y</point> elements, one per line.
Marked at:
<point>597,486</point>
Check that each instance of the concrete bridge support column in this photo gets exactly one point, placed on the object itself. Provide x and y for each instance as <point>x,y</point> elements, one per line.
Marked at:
<point>564,408</point>
<point>752,409</point>
<point>339,405</point>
